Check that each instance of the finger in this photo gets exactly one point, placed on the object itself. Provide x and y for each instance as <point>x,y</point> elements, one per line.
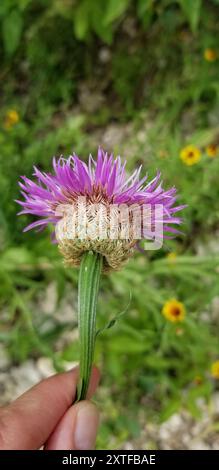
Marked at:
<point>77,429</point>
<point>62,437</point>
<point>94,381</point>
<point>28,422</point>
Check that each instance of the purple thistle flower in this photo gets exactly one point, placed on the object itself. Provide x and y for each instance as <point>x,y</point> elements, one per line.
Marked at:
<point>104,181</point>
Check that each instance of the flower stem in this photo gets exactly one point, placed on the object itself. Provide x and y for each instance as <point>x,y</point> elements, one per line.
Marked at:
<point>88,287</point>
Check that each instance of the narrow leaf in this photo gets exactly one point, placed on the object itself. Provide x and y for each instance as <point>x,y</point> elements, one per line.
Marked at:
<point>114,319</point>
<point>115,9</point>
<point>192,10</point>
<point>12,26</point>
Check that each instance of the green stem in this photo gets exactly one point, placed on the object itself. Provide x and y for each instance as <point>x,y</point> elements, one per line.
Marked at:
<point>88,287</point>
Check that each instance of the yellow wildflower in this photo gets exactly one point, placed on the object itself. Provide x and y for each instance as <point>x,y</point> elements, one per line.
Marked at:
<point>212,150</point>
<point>172,256</point>
<point>215,369</point>
<point>210,54</point>
<point>11,118</point>
<point>174,311</point>
<point>190,155</point>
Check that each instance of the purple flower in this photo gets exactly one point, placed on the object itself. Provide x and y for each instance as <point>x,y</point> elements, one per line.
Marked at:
<point>104,181</point>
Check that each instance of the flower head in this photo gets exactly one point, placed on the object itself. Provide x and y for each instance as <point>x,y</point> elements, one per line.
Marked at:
<point>212,150</point>
<point>190,155</point>
<point>102,182</point>
<point>11,118</point>
<point>215,369</point>
<point>210,54</point>
<point>174,311</point>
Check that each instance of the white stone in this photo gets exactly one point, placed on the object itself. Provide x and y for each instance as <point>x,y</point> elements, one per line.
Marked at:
<point>70,365</point>
<point>23,377</point>
<point>45,366</point>
<point>173,424</point>
<point>48,300</point>
<point>215,402</point>
<point>104,55</point>
<point>199,445</point>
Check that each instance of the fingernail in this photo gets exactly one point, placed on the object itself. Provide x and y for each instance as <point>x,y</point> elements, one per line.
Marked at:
<point>87,421</point>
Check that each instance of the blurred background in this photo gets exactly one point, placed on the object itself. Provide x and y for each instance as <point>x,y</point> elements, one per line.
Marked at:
<point>139,78</point>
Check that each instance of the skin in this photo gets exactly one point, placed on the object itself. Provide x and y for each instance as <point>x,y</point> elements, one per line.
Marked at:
<point>44,416</point>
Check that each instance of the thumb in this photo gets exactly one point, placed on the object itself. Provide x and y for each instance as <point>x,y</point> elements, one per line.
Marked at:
<point>77,429</point>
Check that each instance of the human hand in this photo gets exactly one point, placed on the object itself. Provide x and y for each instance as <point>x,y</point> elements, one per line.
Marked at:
<point>45,416</point>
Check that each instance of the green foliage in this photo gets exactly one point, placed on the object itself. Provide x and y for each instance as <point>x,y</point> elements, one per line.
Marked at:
<point>115,10</point>
<point>11,30</point>
<point>192,11</point>
<point>144,61</point>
